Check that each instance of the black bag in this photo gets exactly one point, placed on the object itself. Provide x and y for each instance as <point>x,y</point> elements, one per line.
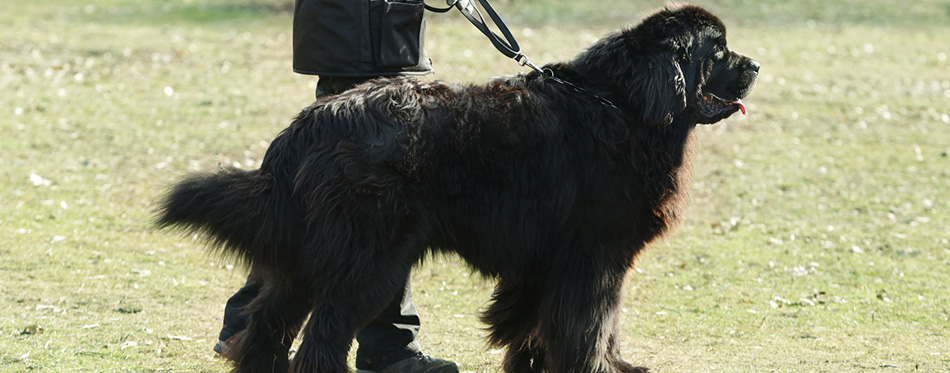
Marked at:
<point>360,37</point>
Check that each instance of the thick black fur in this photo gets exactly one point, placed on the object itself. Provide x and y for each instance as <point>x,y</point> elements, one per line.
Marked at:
<point>535,184</point>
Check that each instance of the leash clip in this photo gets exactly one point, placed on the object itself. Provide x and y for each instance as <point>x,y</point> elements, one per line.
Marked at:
<point>463,5</point>
<point>523,61</point>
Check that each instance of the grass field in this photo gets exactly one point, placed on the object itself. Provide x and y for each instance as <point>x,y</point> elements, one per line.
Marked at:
<point>816,239</point>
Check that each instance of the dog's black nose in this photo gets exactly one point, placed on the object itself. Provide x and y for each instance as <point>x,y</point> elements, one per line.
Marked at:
<point>752,65</point>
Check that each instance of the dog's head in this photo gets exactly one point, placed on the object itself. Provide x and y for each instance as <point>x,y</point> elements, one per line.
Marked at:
<point>689,70</point>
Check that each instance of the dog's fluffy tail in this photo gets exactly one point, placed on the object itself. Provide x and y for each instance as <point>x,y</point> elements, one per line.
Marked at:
<point>241,211</point>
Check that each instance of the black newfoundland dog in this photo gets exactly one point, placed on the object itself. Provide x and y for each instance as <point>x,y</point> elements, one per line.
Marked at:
<point>551,190</point>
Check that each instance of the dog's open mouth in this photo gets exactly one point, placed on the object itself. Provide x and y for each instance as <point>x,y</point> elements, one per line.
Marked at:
<point>712,105</point>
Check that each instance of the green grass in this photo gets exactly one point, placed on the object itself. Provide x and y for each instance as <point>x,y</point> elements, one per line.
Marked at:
<point>816,238</point>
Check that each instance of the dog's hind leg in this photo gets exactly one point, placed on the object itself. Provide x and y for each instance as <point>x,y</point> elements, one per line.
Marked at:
<point>364,278</point>
<point>275,317</point>
<point>347,306</point>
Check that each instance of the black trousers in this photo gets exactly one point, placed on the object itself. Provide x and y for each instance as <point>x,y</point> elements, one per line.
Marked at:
<point>387,339</point>
<point>331,85</point>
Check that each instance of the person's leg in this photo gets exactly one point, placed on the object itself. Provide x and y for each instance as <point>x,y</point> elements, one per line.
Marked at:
<point>388,343</point>
<point>391,337</point>
<point>331,85</point>
<point>234,319</point>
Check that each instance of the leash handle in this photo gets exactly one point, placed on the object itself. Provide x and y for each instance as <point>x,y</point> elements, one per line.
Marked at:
<point>507,46</point>
<point>510,48</point>
<point>450,3</point>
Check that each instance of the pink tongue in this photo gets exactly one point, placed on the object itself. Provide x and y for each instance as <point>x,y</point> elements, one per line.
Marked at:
<point>741,106</point>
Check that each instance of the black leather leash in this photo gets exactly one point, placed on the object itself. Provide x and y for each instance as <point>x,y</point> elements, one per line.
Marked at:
<point>509,46</point>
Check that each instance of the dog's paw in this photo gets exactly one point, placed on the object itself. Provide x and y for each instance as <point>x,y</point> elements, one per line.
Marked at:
<point>625,367</point>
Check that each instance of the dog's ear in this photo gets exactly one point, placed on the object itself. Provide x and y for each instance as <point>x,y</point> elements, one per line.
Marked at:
<point>659,87</point>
